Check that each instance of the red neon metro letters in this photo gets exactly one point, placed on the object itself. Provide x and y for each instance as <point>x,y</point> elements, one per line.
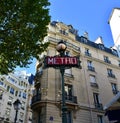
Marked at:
<point>62,60</point>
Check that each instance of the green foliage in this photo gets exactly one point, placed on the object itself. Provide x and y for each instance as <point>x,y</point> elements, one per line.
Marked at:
<point>23,25</point>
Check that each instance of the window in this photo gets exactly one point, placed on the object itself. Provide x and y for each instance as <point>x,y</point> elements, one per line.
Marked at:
<point>12,79</point>
<point>1,94</point>
<point>69,94</point>
<point>30,117</point>
<point>100,119</point>
<point>68,90</point>
<point>8,88</point>
<point>7,111</point>
<point>93,82</point>
<point>90,65</point>
<point>101,46</point>
<point>12,90</point>
<point>16,93</point>
<point>106,59</point>
<point>20,94</point>
<point>84,39</point>
<point>110,73</point>
<point>92,79</point>
<point>97,103</point>
<point>21,83</point>
<point>87,53</point>
<point>64,32</point>
<point>1,83</point>
<point>67,53</point>
<point>114,52</point>
<point>21,115</point>
<point>10,101</point>
<point>96,98</point>
<point>68,72</point>
<point>23,105</point>
<point>114,88</point>
<point>24,95</point>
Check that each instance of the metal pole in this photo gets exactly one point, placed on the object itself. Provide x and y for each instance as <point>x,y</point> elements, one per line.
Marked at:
<point>16,116</point>
<point>64,108</point>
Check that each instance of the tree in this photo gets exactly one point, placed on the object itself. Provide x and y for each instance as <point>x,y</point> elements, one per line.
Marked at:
<point>23,26</point>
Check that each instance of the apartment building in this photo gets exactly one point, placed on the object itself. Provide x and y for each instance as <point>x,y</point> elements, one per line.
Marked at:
<point>114,22</point>
<point>87,89</point>
<point>12,87</point>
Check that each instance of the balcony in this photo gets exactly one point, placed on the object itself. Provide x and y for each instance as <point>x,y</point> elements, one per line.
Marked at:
<point>107,61</point>
<point>99,106</point>
<point>36,98</point>
<point>72,99</point>
<point>94,85</point>
<point>115,91</point>
<point>111,75</point>
<point>91,68</point>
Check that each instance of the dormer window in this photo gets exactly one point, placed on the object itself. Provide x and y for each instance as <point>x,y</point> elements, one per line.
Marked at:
<point>101,46</point>
<point>84,39</point>
<point>72,30</point>
<point>114,52</point>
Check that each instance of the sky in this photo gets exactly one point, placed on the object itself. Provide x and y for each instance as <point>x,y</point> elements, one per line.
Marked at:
<point>84,15</point>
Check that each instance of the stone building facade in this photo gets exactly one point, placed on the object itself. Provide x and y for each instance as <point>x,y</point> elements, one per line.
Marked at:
<point>87,89</point>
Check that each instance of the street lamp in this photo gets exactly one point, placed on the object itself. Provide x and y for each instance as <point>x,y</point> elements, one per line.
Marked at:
<point>61,47</point>
<point>17,105</point>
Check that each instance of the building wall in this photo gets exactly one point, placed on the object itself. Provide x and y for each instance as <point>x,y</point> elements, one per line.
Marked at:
<point>48,81</point>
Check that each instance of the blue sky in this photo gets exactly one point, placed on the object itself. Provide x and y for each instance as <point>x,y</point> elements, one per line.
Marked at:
<point>84,15</point>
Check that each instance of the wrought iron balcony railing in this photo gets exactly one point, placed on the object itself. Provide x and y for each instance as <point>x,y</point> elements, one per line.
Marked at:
<point>115,91</point>
<point>72,99</point>
<point>111,75</point>
<point>94,85</point>
<point>99,106</point>
<point>107,61</point>
<point>91,68</point>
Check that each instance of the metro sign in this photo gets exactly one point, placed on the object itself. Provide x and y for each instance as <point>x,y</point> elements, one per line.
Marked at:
<point>58,61</point>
